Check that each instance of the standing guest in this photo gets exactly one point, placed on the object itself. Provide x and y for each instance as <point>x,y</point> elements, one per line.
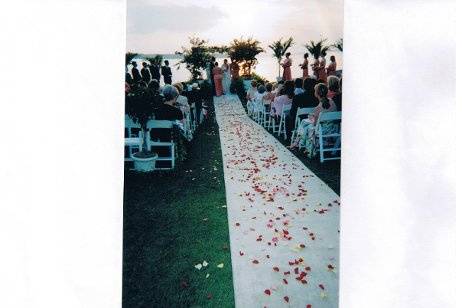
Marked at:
<point>333,85</point>
<point>332,68</point>
<point>298,86</point>
<point>210,67</point>
<point>135,73</point>
<point>286,64</point>
<point>304,66</point>
<point>226,76</point>
<point>218,79</point>
<point>195,99</point>
<point>234,69</point>
<point>155,71</point>
<point>145,74</point>
<point>322,68</point>
<point>167,73</point>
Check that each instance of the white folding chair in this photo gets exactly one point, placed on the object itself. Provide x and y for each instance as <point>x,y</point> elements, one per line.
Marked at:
<point>266,117</point>
<point>170,145</point>
<point>282,122</point>
<point>134,138</point>
<point>321,135</point>
<point>300,112</point>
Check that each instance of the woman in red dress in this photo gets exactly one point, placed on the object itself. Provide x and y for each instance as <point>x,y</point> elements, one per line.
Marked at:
<point>322,75</point>
<point>218,79</point>
<point>304,66</point>
<point>332,68</point>
<point>286,64</point>
<point>315,67</point>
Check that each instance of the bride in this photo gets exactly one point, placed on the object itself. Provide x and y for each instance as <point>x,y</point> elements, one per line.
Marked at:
<point>226,76</point>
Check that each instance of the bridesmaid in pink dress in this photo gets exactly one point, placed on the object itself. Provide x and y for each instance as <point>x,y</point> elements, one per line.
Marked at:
<point>218,79</point>
<point>286,64</point>
<point>304,66</point>
<point>322,69</point>
<point>332,68</point>
<point>315,67</point>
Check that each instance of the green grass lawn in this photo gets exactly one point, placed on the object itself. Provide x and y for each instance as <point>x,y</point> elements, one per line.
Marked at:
<point>173,221</point>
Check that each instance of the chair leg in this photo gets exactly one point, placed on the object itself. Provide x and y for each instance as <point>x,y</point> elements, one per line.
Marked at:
<point>321,146</point>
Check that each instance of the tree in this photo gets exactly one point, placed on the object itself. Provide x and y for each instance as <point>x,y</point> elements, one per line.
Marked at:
<point>317,49</point>
<point>244,51</point>
<point>195,57</point>
<point>156,60</point>
<point>279,48</point>
<point>339,44</point>
<point>129,56</point>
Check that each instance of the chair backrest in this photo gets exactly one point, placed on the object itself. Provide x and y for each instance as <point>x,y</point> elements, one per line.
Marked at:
<point>131,126</point>
<point>328,116</point>
<point>159,124</point>
<point>286,108</point>
<point>304,111</point>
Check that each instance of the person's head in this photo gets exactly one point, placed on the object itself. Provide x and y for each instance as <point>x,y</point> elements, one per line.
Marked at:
<point>320,91</point>
<point>261,89</point>
<point>298,82</point>
<point>154,85</point>
<point>170,93</point>
<point>134,64</point>
<point>332,58</point>
<point>289,87</point>
<point>225,61</point>
<point>308,85</point>
<point>253,83</point>
<point>216,63</point>
<point>145,64</point>
<point>179,87</point>
<point>306,55</point>
<point>213,59</point>
<point>142,85</point>
<point>333,83</point>
<point>166,62</point>
<point>269,87</point>
<point>288,55</point>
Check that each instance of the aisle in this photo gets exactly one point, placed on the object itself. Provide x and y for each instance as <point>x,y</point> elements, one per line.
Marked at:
<point>283,220</point>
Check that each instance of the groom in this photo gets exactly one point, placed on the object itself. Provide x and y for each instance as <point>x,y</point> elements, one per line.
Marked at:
<point>210,67</point>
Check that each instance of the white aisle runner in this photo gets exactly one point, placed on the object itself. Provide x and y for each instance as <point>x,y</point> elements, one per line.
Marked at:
<point>283,220</point>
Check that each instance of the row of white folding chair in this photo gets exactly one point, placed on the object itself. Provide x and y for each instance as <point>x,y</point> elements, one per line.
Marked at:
<point>281,129</point>
<point>300,112</point>
<point>325,117</point>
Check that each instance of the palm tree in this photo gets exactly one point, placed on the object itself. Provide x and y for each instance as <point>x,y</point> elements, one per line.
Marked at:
<point>317,49</point>
<point>279,48</point>
<point>339,45</point>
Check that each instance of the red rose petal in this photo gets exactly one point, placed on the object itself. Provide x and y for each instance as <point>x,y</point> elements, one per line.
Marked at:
<point>255,262</point>
<point>284,280</point>
<point>321,286</point>
<point>286,298</point>
<point>276,269</point>
<point>268,292</point>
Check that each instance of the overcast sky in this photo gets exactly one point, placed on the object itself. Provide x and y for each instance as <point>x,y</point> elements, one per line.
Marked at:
<point>155,26</point>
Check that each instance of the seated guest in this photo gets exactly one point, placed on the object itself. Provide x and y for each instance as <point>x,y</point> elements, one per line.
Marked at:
<point>298,86</point>
<point>154,94</point>
<point>285,98</point>
<point>333,84</point>
<point>303,100</point>
<point>167,111</point>
<point>251,95</point>
<point>269,96</point>
<point>279,87</point>
<point>181,101</point>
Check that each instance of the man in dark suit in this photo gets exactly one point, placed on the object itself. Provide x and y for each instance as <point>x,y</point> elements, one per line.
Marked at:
<point>167,73</point>
<point>145,74</point>
<point>135,72</point>
<point>302,100</point>
<point>211,66</point>
<point>155,71</point>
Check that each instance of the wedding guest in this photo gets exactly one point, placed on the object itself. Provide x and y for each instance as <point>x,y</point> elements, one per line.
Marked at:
<point>181,101</point>
<point>251,94</point>
<point>332,68</point>
<point>303,100</point>
<point>167,111</point>
<point>153,94</point>
<point>195,100</point>
<point>135,72</point>
<point>167,73</point>
<point>333,85</point>
<point>145,74</point>
<point>285,98</point>
<point>269,95</point>
<point>155,71</point>
<point>218,79</point>
<point>304,66</point>
<point>322,68</point>
<point>286,64</point>
<point>226,76</point>
<point>298,86</point>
